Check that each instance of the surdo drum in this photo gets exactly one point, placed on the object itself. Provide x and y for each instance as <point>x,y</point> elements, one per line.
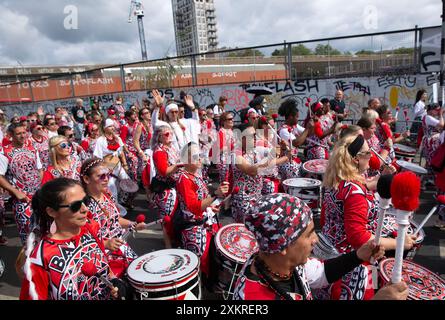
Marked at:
<point>409,166</point>
<point>306,189</point>
<point>170,274</point>
<point>404,152</point>
<point>234,245</point>
<point>422,283</point>
<point>315,168</point>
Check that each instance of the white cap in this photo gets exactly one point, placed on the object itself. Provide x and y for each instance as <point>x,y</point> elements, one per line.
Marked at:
<point>170,107</point>
<point>108,123</point>
<point>251,110</point>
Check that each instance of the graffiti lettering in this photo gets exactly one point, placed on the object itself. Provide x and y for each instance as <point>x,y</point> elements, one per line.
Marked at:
<point>399,81</point>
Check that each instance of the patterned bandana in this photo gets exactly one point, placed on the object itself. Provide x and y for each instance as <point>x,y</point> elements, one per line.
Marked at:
<point>277,220</point>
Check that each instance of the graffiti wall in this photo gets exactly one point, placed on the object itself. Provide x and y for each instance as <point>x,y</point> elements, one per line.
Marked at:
<point>392,90</point>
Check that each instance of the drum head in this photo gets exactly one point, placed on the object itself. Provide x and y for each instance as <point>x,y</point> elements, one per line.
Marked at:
<point>128,185</point>
<point>390,226</point>
<point>235,242</point>
<point>306,183</point>
<point>111,161</point>
<point>317,166</point>
<point>411,167</point>
<point>422,283</point>
<point>163,266</point>
<point>401,148</point>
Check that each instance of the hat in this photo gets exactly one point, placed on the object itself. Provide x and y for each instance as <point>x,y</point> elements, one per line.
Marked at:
<point>170,107</point>
<point>256,101</point>
<point>251,110</point>
<point>277,220</point>
<point>108,123</point>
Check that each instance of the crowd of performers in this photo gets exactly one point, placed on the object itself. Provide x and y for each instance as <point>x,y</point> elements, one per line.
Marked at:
<point>66,173</point>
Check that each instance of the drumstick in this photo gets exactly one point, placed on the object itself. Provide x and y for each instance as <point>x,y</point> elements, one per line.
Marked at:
<point>380,157</point>
<point>405,112</point>
<point>139,219</point>
<point>405,191</point>
<point>397,113</point>
<point>264,119</point>
<point>90,270</point>
<point>425,220</point>
<point>384,191</point>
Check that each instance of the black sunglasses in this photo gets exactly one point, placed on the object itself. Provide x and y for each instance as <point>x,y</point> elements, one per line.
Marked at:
<point>76,205</point>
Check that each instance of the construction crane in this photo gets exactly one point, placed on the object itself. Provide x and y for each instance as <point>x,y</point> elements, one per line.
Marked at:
<point>136,9</point>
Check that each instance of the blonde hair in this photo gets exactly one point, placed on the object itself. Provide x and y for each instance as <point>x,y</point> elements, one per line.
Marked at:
<point>341,165</point>
<point>53,143</point>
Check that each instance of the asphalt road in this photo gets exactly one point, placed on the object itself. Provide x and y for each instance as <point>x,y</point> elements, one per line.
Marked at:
<point>431,255</point>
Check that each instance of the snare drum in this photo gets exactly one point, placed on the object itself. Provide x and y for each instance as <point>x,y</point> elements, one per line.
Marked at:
<point>404,152</point>
<point>308,190</point>
<point>409,166</point>
<point>389,229</point>
<point>315,168</point>
<point>234,245</point>
<point>170,274</point>
<point>423,284</point>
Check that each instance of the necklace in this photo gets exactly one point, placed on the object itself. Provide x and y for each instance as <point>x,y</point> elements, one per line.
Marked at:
<point>275,274</point>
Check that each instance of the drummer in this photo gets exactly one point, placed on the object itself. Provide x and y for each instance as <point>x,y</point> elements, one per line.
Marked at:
<point>433,124</point>
<point>167,164</point>
<point>294,136</point>
<point>103,210</point>
<point>63,164</point>
<point>350,212</point>
<point>247,172</point>
<point>60,202</point>
<point>196,209</point>
<point>282,269</point>
<point>317,143</point>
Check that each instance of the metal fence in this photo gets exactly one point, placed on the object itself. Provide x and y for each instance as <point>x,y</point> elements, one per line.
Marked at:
<point>385,53</point>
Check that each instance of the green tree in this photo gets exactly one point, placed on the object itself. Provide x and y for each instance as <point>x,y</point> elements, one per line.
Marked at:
<point>404,50</point>
<point>297,50</point>
<point>246,53</point>
<point>326,49</point>
<point>364,52</point>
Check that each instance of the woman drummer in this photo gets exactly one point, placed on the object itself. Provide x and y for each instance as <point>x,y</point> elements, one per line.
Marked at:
<point>368,125</point>
<point>166,161</point>
<point>142,137</point>
<point>62,162</point>
<point>267,141</point>
<point>127,136</point>
<point>53,268</point>
<point>294,135</point>
<point>226,146</point>
<point>317,143</point>
<point>92,133</point>
<point>247,172</point>
<point>199,224</point>
<point>433,124</point>
<point>103,210</point>
<point>110,147</point>
<point>349,213</point>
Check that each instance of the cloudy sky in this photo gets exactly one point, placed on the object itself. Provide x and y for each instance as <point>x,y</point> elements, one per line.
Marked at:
<point>33,32</point>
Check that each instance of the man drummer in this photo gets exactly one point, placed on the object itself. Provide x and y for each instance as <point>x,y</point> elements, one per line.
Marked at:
<point>282,269</point>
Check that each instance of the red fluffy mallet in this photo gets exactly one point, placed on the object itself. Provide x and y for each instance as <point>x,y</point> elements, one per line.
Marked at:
<point>246,121</point>
<point>89,269</point>
<point>345,126</point>
<point>405,112</point>
<point>307,104</point>
<point>405,191</point>
<point>441,199</point>
<point>274,116</point>
<point>309,99</point>
<point>235,190</point>
<point>263,119</point>
<point>289,130</point>
<point>374,162</point>
<point>140,218</point>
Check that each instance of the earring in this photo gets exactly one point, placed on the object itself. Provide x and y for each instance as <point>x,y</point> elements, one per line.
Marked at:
<point>53,228</point>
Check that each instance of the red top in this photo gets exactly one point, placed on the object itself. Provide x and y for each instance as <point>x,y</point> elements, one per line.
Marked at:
<point>160,158</point>
<point>188,189</point>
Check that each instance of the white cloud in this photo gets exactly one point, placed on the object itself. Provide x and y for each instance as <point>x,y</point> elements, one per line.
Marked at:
<point>32,31</point>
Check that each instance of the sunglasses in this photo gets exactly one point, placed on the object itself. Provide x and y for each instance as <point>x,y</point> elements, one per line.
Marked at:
<point>144,113</point>
<point>166,134</point>
<point>104,176</point>
<point>64,145</point>
<point>76,205</point>
<point>39,128</point>
<point>52,124</point>
<point>365,153</point>
<point>71,136</point>
<point>229,119</point>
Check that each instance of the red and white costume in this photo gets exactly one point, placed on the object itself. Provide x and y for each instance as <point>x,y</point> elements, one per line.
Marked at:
<point>249,188</point>
<point>431,138</point>
<point>88,144</point>
<point>318,148</point>
<point>106,214</point>
<point>127,134</point>
<point>196,237</point>
<point>57,268</point>
<point>73,172</point>
<point>349,218</point>
<point>21,167</point>
<point>166,201</point>
<point>226,146</point>
<point>42,146</point>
